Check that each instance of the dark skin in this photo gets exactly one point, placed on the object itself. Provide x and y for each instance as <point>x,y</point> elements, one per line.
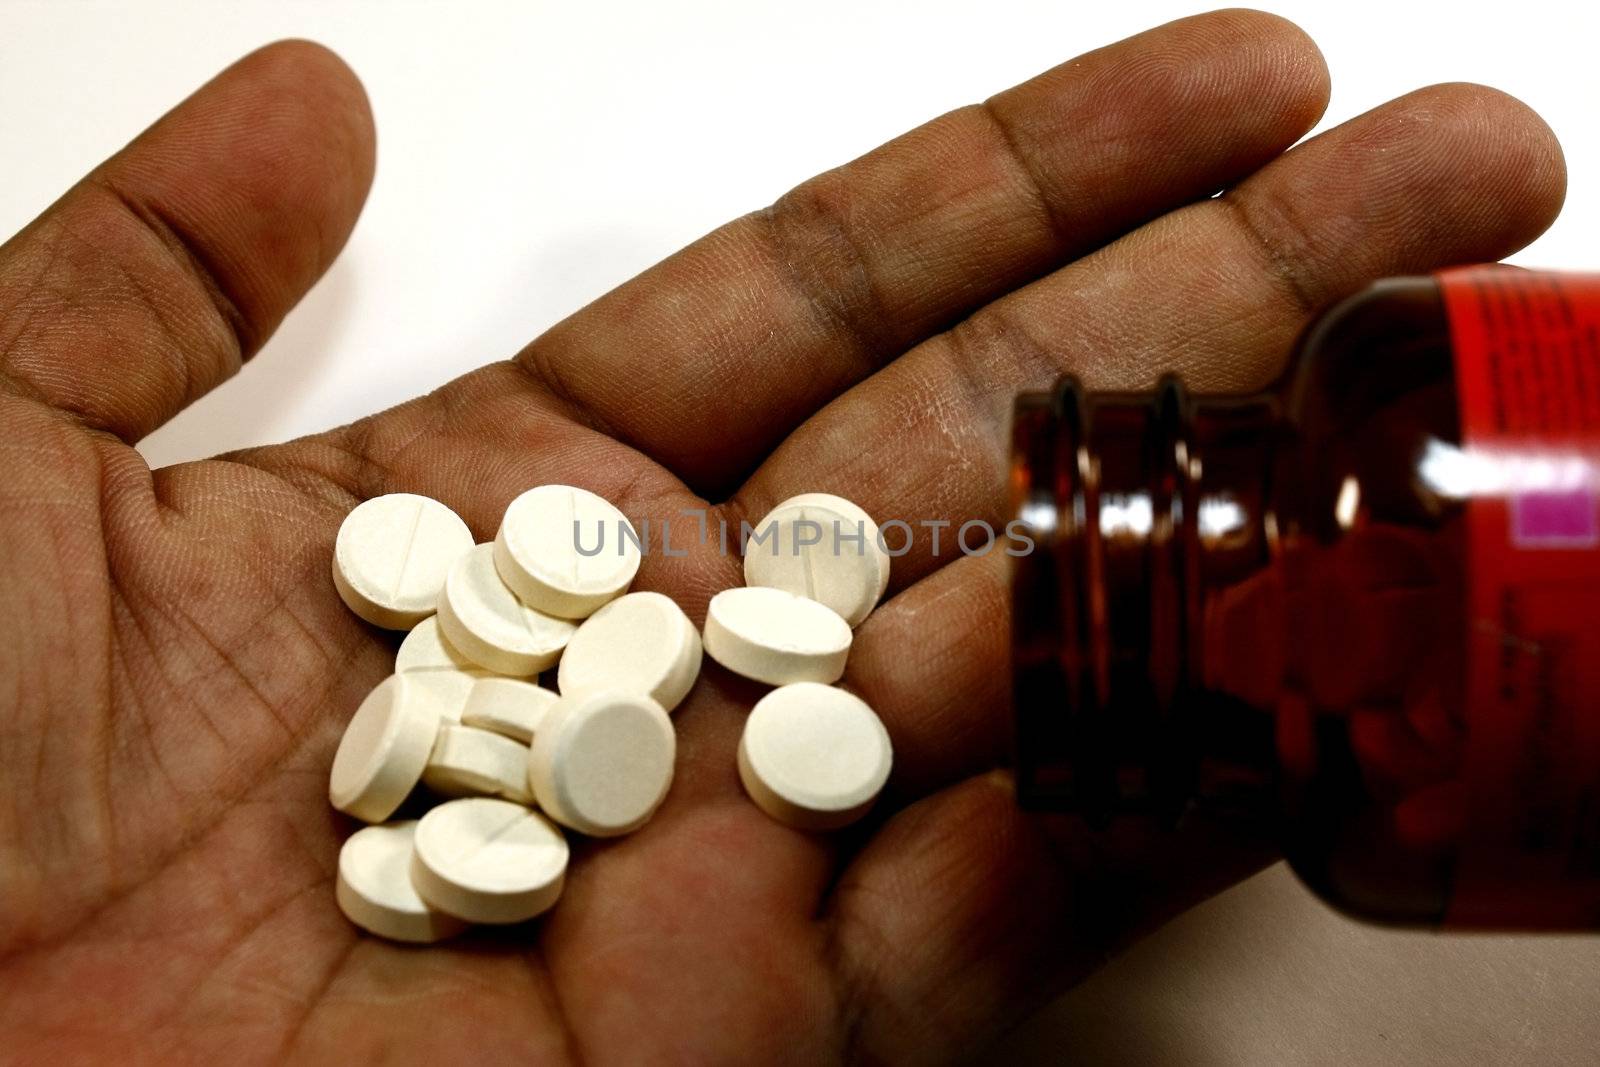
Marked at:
<point>176,668</point>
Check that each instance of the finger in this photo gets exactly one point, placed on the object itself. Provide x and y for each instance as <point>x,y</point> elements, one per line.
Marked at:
<point>964,914</point>
<point>707,360</point>
<point>1217,291</point>
<point>154,277</point>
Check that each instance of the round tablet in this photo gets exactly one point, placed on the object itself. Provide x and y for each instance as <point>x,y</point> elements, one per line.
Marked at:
<point>486,622</point>
<point>776,637</point>
<point>374,887</point>
<point>384,749</point>
<point>469,762</point>
<point>508,706</point>
<point>425,649</point>
<point>823,547</point>
<point>488,861</point>
<point>565,550</point>
<point>448,689</point>
<point>391,557</point>
<point>640,643</point>
<point>813,757</point>
<point>601,763</point>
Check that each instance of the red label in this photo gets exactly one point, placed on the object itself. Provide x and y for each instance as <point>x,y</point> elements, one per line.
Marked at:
<point>1527,356</point>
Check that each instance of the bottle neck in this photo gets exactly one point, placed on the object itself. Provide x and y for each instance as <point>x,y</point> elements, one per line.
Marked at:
<point>1146,511</point>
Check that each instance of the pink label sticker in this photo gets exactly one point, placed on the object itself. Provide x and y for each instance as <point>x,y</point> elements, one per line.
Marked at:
<point>1552,519</point>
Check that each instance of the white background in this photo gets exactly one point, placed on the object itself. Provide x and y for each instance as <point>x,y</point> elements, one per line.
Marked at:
<point>533,155</point>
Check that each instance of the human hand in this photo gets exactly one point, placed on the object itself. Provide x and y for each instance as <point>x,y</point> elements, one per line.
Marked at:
<point>178,668</point>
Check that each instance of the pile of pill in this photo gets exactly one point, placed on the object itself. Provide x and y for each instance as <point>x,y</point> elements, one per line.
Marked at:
<point>514,765</point>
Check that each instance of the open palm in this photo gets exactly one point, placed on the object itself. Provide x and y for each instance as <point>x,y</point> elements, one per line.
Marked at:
<point>176,668</point>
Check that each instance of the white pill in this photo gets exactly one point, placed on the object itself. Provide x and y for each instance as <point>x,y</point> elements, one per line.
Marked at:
<point>601,763</point>
<point>469,762</point>
<point>384,748</point>
<point>776,637</point>
<point>813,757</point>
<point>508,706</point>
<point>391,557</point>
<point>488,861</point>
<point>565,550</point>
<point>425,649</point>
<point>639,643</point>
<point>823,547</point>
<point>449,689</point>
<point>486,622</point>
<point>374,887</point>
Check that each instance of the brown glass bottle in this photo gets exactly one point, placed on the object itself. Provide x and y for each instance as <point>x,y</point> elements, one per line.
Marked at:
<point>1364,605</point>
